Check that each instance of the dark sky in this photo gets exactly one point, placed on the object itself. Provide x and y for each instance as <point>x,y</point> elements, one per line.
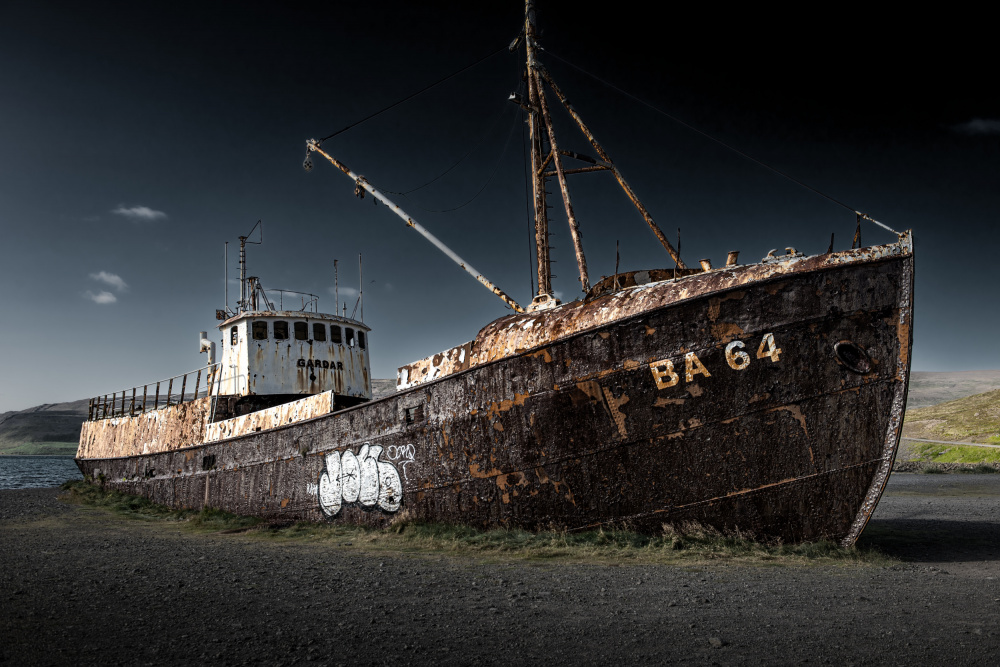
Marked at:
<point>136,138</point>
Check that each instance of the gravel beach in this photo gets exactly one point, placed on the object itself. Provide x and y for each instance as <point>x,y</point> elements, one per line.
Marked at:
<point>84,586</point>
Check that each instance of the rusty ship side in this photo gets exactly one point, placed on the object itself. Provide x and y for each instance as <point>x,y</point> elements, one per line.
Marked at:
<point>766,398</point>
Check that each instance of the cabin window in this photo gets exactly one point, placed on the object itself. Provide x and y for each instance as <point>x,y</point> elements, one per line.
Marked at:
<point>301,331</point>
<point>350,336</point>
<point>319,331</point>
<point>234,335</point>
<point>335,334</point>
<point>281,330</point>
<point>260,330</point>
<point>361,339</point>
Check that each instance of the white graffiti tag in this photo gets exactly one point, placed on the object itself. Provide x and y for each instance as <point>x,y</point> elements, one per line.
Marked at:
<point>401,454</point>
<point>361,478</point>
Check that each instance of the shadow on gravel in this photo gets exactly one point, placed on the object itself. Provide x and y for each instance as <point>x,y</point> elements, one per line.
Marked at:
<point>933,540</point>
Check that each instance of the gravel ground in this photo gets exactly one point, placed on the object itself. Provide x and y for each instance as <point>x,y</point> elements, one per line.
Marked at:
<point>83,586</point>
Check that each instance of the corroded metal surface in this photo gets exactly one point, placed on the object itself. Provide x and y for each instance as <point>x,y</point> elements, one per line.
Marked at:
<point>170,427</point>
<point>517,333</point>
<point>293,365</point>
<point>263,420</point>
<point>719,398</point>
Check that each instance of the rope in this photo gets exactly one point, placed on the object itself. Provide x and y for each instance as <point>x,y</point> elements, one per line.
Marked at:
<point>411,96</point>
<point>718,141</point>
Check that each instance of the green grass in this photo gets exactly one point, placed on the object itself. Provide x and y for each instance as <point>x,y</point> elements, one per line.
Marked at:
<point>927,451</point>
<point>37,448</point>
<point>685,545</point>
<point>87,493</point>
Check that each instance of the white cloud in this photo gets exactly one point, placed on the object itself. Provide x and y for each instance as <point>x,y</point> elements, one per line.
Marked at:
<point>139,213</point>
<point>111,279</point>
<point>978,126</point>
<point>345,292</point>
<point>101,297</point>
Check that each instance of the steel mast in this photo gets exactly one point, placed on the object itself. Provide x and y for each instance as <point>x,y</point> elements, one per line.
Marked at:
<point>548,163</point>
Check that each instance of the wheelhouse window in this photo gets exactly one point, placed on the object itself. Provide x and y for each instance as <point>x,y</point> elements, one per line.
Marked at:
<point>349,332</point>
<point>301,331</point>
<point>361,339</point>
<point>234,335</point>
<point>335,334</point>
<point>281,330</point>
<point>319,331</point>
<point>260,330</point>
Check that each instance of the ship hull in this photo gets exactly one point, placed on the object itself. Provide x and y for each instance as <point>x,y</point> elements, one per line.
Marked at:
<point>732,409</point>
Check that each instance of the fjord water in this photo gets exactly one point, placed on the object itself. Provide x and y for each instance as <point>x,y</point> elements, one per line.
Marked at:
<point>26,472</point>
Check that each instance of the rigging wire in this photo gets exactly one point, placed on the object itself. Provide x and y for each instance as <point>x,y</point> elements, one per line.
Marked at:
<point>482,139</point>
<point>412,95</point>
<point>489,180</point>
<point>718,141</point>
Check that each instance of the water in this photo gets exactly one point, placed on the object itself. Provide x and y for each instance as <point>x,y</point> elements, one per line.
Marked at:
<point>26,472</point>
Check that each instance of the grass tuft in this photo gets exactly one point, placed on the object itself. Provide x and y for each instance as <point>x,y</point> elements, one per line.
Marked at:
<point>686,544</point>
<point>85,492</point>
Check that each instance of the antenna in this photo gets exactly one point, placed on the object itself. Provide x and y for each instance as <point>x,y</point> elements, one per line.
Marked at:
<point>226,262</point>
<point>361,287</point>
<point>243,262</point>
<point>336,289</point>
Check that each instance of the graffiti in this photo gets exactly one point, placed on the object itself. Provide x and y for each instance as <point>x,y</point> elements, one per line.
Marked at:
<point>402,453</point>
<point>348,478</point>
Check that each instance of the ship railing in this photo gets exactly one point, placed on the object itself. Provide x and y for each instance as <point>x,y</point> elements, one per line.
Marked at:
<point>308,303</point>
<point>156,395</point>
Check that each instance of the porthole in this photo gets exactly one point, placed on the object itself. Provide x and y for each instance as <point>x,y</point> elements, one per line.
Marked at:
<point>853,357</point>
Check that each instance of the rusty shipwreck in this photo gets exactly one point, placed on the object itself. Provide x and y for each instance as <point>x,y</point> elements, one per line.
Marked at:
<point>765,397</point>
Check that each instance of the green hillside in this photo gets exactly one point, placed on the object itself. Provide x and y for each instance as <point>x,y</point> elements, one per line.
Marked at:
<point>43,429</point>
<point>972,419</point>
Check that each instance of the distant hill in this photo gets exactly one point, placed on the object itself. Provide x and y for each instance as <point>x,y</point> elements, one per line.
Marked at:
<point>927,388</point>
<point>971,419</point>
<point>52,428</point>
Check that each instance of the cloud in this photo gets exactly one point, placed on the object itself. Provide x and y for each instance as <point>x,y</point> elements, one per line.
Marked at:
<point>101,297</point>
<point>978,126</point>
<point>139,213</point>
<point>111,279</point>
<point>345,292</point>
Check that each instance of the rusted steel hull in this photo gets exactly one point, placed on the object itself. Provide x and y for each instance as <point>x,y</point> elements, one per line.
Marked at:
<point>733,409</point>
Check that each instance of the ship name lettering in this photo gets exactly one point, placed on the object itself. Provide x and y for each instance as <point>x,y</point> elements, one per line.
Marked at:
<point>318,363</point>
<point>665,376</point>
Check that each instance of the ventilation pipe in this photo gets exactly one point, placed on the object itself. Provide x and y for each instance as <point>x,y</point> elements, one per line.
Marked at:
<point>205,345</point>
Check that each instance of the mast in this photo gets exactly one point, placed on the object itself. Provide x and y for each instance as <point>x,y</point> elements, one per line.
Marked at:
<point>549,163</point>
<point>543,263</point>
